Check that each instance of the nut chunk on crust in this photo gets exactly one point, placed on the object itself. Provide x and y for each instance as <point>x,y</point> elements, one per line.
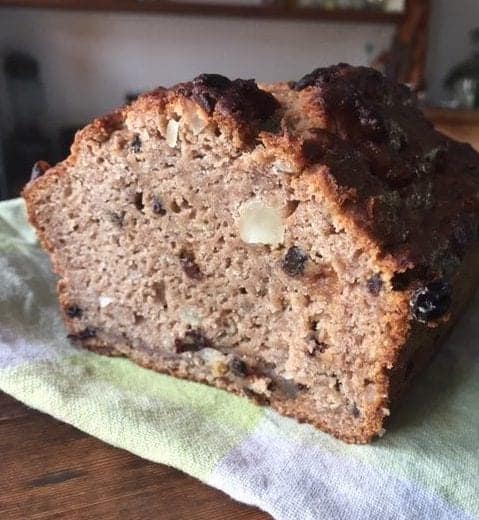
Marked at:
<point>303,244</point>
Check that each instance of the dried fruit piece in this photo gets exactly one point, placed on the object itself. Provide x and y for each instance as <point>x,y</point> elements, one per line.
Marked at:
<point>238,367</point>
<point>432,301</point>
<point>157,207</point>
<point>190,267</point>
<point>294,261</point>
<point>86,333</point>
<point>136,144</point>
<point>138,200</point>
<point>261,224</point>
<point>317,347</point>
<point>172,130</point>
<point>104,301</point>
<point>73,311</point>
<point>355,411</point>
<point>207,89</point>
<point>117,218</point>
<point>375,284</point>
<point>282,166</point>
<point>192,341</point>
<point>196,123</point>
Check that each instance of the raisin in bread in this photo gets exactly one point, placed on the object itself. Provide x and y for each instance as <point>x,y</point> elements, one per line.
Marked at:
<point>304,244</point>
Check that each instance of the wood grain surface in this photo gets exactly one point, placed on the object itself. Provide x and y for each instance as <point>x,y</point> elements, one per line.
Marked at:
<point>51,470</point>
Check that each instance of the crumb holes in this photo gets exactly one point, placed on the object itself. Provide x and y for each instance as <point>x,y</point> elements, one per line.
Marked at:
<point>337,385</point>
<point>367,382</point>
<point>172,245</point>
<point>197,155</point>
<point>192,214</point>
<point>217,132</point>
<point>138,318</point>
<point>185,203</point>
<point>291,207</point>
<point>355,411</point>
<point>331,229</point>
<point>227,262</point>
<point>159,293</point>
<point>242,290</point>
<point>139,201</point>
<point>174,207</point>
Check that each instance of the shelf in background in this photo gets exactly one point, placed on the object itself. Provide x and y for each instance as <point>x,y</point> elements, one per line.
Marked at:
<point>213,9</point>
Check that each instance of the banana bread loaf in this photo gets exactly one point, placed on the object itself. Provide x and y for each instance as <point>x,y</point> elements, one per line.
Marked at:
<point>304,244</point>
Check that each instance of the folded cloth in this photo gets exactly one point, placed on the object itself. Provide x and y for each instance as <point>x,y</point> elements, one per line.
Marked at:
<point>426,466</point>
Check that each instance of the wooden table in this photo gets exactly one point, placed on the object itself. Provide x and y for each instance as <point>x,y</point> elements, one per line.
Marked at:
<point>51,470</point>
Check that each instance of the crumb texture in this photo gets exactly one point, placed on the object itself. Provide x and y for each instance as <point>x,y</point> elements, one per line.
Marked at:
<point>267,240</point>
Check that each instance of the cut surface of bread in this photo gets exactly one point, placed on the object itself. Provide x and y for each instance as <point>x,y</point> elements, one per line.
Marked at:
<point>305,244</point>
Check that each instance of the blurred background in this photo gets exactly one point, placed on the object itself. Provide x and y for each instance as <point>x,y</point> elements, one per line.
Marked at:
<point>64,62</point>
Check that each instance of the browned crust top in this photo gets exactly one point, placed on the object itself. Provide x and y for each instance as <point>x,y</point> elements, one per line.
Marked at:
<point>411,189</point>
<point>239,100</point>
